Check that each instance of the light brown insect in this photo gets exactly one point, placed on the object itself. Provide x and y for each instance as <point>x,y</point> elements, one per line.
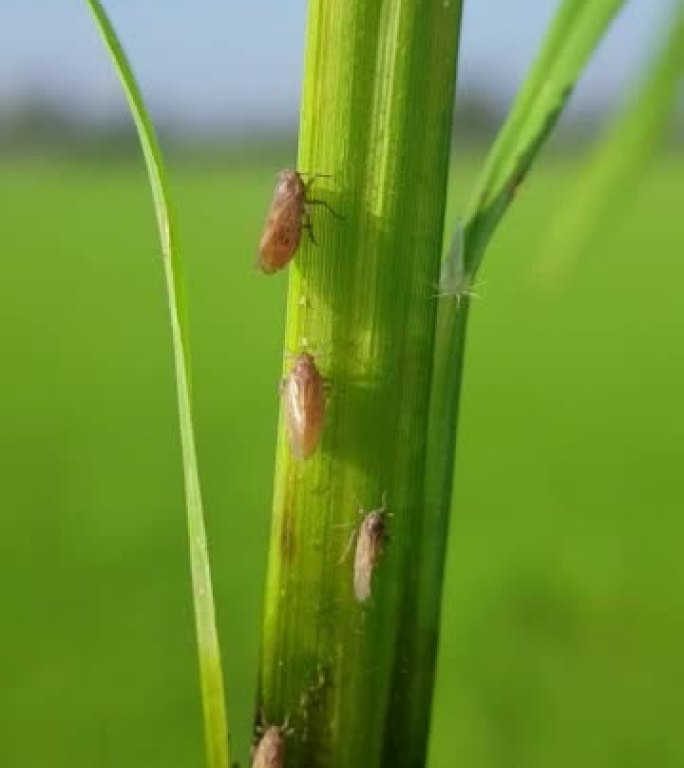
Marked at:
<point>303,390</point>
<point>287,217</point>
<point>369,546</point>
<point>270,751</point>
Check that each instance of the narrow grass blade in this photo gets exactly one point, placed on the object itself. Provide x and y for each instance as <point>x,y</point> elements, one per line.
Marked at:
<point>573,36</point>
<point>211,676</point>
<point>578,28</point>
<point>617,162</point>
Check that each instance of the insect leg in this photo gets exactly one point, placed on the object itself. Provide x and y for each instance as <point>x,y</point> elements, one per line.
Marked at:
<point>326,205</point>
<point>348,547</point>
<point>308,226</point>
<point>313,176</point>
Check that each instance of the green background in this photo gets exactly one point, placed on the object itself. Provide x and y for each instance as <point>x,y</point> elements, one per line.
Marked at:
<point>563,619</point>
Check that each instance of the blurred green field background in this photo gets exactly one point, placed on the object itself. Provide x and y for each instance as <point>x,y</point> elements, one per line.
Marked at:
<point>563,621</point>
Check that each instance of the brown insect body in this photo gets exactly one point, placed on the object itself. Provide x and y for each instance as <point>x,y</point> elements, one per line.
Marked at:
<point>303,391</point>
<point>369,547</point>
<point>283,228</point>
<point>270,750</point>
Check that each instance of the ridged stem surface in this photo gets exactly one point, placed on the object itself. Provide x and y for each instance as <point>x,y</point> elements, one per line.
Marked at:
<point>376,117</point>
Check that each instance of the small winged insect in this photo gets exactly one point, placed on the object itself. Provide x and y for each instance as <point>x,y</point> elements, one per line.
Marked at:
<point>369,546</point>
<point>288,215</point>
<point>303,391</point>
<point>270,751</point>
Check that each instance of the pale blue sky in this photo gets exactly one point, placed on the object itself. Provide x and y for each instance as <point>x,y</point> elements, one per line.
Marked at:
<point>239,61</point>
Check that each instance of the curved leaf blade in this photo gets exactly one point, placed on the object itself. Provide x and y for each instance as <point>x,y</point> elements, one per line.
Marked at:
<point>617,161</point>
<point>575,33</point>
<point>211,675</point>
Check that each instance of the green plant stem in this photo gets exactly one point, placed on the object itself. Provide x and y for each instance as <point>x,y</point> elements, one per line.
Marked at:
<point>211,676</point>
<point>376,116</point>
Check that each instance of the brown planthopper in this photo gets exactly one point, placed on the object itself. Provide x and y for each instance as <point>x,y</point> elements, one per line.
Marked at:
<point>270,751</point>
<point>303,391</point>
<point>287,216</point>
<point>369,546</point>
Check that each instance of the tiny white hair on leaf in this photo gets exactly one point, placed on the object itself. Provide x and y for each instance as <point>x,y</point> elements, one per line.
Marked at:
<point>454,281</point>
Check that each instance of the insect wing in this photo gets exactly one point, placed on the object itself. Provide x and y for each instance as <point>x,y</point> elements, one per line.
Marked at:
<point>304,406</point>
<point>363,565</point>
<point>283,229</point>
<point>270,750</point>
<point>368,550</point>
